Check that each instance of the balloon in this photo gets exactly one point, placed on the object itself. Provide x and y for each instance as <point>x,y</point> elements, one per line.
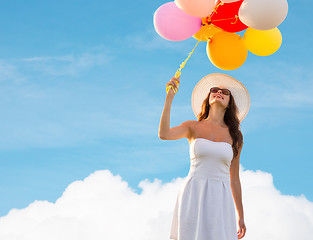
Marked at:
<point>227,51</point>
<point>173,24</point>
<point>262,43</point>
<point>226,17</point>
<point>229,1</point>
<point>207,31</point>
<point>197,8</point>
<point>263,14</point>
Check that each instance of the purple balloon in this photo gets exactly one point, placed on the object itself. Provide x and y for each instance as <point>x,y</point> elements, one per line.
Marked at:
<point>173,24</point>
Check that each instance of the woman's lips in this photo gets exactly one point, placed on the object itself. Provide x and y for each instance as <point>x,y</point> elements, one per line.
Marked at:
<point>218,95</point>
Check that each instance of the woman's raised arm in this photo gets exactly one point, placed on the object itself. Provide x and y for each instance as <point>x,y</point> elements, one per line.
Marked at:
<point>165,132</point>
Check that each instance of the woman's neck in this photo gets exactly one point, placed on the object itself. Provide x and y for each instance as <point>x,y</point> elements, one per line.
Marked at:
<point>216,115</point>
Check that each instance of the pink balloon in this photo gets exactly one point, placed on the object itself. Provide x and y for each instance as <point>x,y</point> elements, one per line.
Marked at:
<point>173,24</point>
<point>196,8</point>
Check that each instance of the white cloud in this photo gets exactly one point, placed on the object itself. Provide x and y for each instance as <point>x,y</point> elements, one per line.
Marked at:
<point>281,85</point>
<point>21,69</point>
<point>149,40</point>
<point>285,94</point>
<point>271,215</point>
<point>103,206</point>
<point>281,94</point>
<point>66,65</point>
<point>35,116</point>
<point>9,72</point>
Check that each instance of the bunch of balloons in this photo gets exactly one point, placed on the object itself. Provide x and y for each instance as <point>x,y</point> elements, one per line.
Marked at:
<point>218,22</point>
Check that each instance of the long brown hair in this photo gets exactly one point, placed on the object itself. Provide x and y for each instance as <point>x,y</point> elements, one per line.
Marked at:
<point>230,119</point>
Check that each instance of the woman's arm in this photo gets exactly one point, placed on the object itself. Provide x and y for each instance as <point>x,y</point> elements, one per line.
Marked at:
<point>165,132</point>
<point>236,191</point>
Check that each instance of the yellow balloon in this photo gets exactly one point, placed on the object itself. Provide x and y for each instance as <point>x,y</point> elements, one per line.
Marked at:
<point>206,32</point>
<point>262,43</point>
<point>227,50</point>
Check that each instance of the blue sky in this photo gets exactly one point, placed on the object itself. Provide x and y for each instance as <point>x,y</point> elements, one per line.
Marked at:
<point>83,88</point>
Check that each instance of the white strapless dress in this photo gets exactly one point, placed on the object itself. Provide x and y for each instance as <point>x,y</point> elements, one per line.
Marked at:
<point>204,207</point>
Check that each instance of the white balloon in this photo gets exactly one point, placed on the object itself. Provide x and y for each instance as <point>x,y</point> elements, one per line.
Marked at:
<point>229,1</point>
<point>263,14</point>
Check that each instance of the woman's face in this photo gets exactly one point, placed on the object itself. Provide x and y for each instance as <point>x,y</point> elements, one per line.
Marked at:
<point>219,98</point>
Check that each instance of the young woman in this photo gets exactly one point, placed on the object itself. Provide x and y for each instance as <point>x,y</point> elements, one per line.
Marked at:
<point>205,208</point>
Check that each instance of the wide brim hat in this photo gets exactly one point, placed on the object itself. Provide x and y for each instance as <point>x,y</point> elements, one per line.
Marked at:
<point>238,91</point>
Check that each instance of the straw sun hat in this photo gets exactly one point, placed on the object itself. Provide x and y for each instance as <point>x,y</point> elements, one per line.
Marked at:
<point>237,89</point>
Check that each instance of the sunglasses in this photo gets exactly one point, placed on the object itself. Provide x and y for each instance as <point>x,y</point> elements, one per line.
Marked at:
<point>216,89</point>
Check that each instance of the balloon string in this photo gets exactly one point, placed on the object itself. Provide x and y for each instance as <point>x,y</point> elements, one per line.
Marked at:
<point>182,65</point>
<point>209,18</point>
<point>235,20</point>
<point>216,20</point>
<point>215,8</point>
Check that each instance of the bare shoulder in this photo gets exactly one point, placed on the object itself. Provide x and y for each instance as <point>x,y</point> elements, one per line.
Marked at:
<point>189,123</point>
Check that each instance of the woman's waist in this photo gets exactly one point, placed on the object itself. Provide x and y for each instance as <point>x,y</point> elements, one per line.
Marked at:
<point>216,174</point>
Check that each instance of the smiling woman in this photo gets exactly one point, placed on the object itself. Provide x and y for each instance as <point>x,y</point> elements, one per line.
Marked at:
<point>204,207</point>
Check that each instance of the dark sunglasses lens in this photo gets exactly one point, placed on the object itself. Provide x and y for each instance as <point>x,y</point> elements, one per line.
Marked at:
<point>214,90</point>
<point>226,92</point>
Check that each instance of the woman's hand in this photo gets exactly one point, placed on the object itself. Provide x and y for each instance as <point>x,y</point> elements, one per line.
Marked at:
<point>174,82</point>
<point>242,229</point>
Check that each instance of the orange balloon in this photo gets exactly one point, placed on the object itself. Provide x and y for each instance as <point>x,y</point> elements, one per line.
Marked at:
<point>226,50</point>
<point>206,32</point>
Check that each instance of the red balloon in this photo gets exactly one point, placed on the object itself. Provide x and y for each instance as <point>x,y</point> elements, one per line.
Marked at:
<point>226,16</point>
